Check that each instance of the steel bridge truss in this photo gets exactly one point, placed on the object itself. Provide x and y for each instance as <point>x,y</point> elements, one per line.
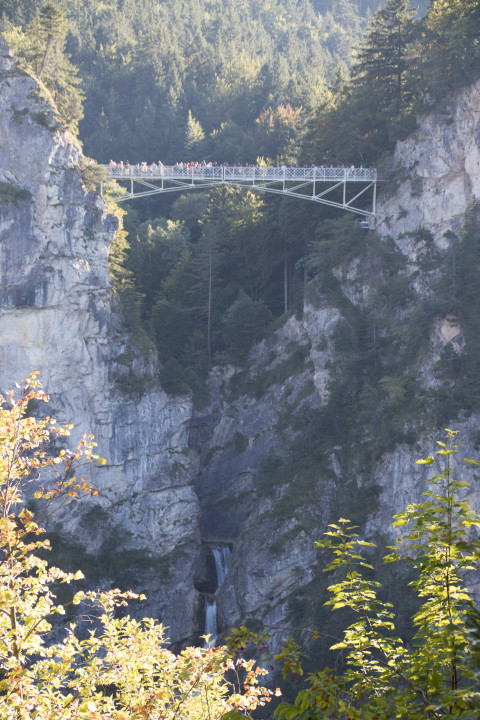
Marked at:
<point>336,187</point>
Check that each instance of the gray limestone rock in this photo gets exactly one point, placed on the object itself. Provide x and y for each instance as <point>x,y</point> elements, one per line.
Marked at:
<point>58,315</point>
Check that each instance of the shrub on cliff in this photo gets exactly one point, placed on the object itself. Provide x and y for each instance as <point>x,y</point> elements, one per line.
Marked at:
<point>121,670</point>
<point>437,675</point>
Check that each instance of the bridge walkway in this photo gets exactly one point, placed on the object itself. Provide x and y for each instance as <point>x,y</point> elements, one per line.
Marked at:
<point>334,186</point>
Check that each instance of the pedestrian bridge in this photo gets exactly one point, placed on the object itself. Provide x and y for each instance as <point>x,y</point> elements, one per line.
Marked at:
<point>333,186</point>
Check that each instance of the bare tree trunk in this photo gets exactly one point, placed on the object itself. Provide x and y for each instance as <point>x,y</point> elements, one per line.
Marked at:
<point>209,316</point>
<point>49,42</point>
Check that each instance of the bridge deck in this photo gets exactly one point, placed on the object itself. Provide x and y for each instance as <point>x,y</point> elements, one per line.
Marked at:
<point>252,173</point>
<point>298,182</point>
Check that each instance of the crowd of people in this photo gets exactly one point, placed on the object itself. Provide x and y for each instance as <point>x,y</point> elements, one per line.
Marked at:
<point>208,168</point>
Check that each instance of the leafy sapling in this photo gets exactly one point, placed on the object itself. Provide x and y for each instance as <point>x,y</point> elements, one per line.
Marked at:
<point>437,675</point>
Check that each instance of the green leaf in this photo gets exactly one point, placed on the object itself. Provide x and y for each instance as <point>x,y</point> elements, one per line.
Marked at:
<point>425,461</point>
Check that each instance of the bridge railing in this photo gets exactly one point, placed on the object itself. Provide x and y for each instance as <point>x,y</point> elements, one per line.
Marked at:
<point>238,173</point>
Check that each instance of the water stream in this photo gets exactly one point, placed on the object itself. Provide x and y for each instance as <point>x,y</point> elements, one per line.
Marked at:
<point>211,627</point>
<point>221,556</point>
<point>222,559</point>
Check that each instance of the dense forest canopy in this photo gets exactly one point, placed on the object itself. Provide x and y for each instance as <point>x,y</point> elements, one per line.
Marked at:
<point>233,66</point>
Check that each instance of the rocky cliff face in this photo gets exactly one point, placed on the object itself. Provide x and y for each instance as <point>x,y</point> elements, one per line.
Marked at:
<point>274,567</point>
<point>264,467</point>
<point>57,315</point>
<point>437,171</point>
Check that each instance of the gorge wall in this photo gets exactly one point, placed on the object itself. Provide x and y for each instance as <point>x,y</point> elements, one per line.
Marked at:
<point>264,467</point>
<point>272,512</point>
<point>58,316</point>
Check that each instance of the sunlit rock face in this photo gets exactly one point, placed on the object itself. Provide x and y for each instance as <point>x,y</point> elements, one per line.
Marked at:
<point>438,171</point>
<point>57,315</point>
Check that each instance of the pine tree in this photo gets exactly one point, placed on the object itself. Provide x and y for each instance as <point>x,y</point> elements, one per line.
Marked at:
<point>450,32</point>
<point>42,48</point>
<point>51,27</point>
<point>381,66</point>
<point>194,133</point>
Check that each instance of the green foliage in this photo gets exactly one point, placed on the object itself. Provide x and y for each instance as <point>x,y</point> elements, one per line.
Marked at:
<point>450,31</point>
<point>473,628</point>
<point>403,65</point>
<point>269,474</point>
<point>41,49</point>
<point>43,118</point>
<point>173,378</point>
<point>277,131</point>
<point>220,79</point>
<point>129,300</point>
<point>152,94</point>
<point>244,324</point>
<point>240,442</point>
<point>384,677</point>
<point>295,363</point>
<point>92,174</point>
<point>203,286</point>
<point>336,241</point>
<point>194,133</point>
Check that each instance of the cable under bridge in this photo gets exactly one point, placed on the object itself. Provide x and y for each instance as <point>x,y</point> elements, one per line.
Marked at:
<point>338,187</point>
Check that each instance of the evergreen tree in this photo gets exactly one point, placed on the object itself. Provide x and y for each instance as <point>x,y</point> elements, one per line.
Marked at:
<point>381,65</point>
<point>244,324</point>
<point>42,48</point>
<point>449,34</point>
<point>204,269</point>
<point>194,133</point>
<point>368,115</point>
<point>381,95</point>
<point>51,27</point>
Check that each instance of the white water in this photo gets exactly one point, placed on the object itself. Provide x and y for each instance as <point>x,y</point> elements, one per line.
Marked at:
<point>211,621</point>
<point>222,558</point>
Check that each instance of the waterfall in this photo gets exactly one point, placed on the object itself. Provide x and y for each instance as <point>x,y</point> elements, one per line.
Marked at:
<point>221,556</point>
<point>211,621</point>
